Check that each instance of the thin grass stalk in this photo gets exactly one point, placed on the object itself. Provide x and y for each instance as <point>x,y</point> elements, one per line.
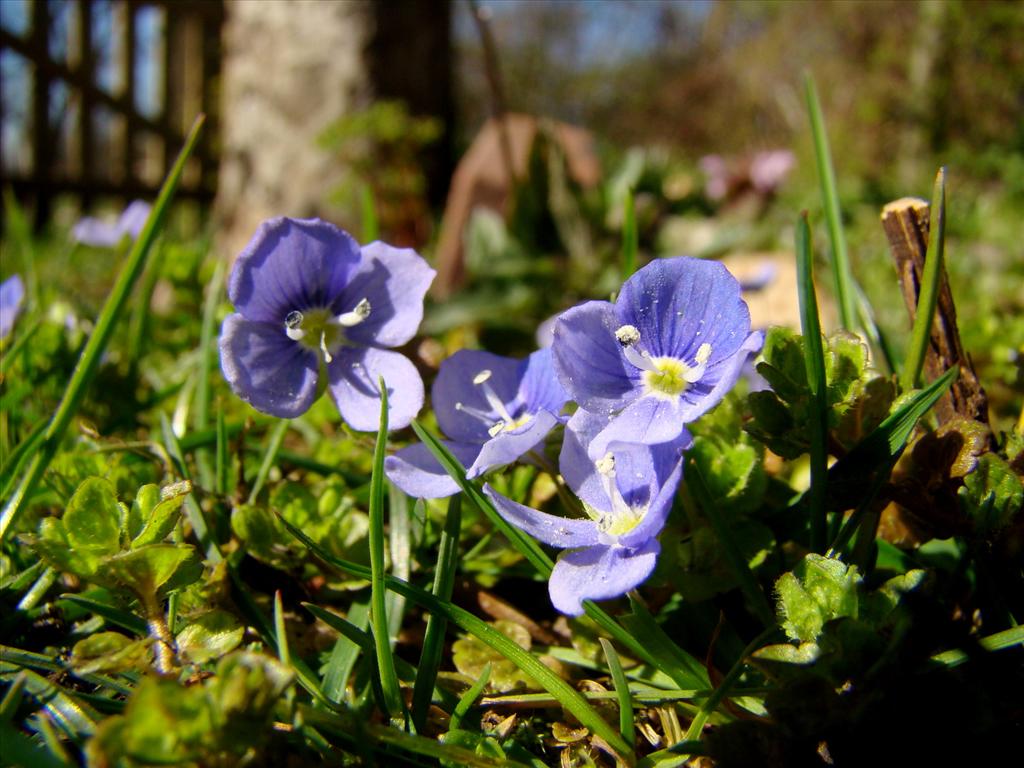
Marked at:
<point>378,592</point>
<point>626,726</point>
<point>89,361</point>
<point>469,698</point>
<point>711,703</point>
<point>277,434</point>
<point>845,290</point>
<point>929,296</point>
<point>433,639</point>
<point>207,334</point>
<point>814,360</point>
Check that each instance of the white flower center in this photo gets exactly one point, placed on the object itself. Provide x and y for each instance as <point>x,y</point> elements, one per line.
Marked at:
<point>506,421</point>
<point>320,330</point>
<point>664,377</point>
<point>621,518</point>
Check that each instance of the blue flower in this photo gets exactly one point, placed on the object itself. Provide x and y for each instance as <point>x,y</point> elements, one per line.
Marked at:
<point>495,408</point>
<point>12,296</point>
<point>104,234</point>
<point>666,351</point>
<point>314,310</point>
<point>626,493</point>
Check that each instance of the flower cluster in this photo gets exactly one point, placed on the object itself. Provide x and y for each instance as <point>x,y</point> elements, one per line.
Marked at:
<point>316,311</point>
<point>639,370</point>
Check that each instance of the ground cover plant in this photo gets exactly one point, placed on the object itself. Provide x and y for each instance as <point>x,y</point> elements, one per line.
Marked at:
<point>236,531</point>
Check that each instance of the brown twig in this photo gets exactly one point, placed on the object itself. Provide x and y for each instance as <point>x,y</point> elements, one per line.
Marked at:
<point>905,222</point>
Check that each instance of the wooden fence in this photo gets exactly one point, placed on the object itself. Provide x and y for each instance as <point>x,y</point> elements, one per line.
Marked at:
<point>80,137</point>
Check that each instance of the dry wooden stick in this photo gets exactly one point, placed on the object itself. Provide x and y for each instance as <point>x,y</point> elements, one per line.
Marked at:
<point>906,226</point>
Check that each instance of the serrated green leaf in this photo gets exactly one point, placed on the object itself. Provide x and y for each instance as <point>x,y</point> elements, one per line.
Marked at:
<point>818,590</point>
<point>992,494</point>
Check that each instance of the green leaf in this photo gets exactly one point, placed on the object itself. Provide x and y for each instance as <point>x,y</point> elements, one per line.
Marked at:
<point>784,653</point>
<point>209,636</point>
<point>109,652</point>
<point>818,590</point>
<point>146,499</point>
<point>162,516</point>
<point>92,520</point>
<point>470,656</point>
<point>147,569</point>
<point>992,494</point>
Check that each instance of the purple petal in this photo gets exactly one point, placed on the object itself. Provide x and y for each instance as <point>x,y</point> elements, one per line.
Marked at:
<point>589,361</point>
<point>96,232</point>
<point>454,384</point>
<point>667,485</point>
<point>648,420</point>
<point>416,472</point>
<point>539,387</point>
<point>292,264</point>
<point>642,472</point>
<point>354,374</point>
<point>678,304</point>
<point>557,531</point>
<point>720,377</point>
<point>394,281</point>
<point>267,369</point>
<point>599,573</point>
<point>12,296</point>
<point>507,446</point>
<point>134,218</point>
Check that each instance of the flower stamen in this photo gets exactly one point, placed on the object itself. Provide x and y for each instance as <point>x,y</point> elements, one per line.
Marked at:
<point>628,336</point>
<point>358,314</point>
<point>293,325</point>
<point>622,518</point>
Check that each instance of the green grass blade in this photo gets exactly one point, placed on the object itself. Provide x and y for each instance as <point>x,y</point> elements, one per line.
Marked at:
<point>733,555</point>
<point>845,291</point>
<point>360,734</point>
<point>659,650</point>
<point>116,616</point>
<point>468,699</point>
<point>280,633</point>
<point>207,349</point>
<point>626,726</point>
<point>12,697</point>
<point>711,702</point>
<point>529,548</point>
<point>363,641</point>
<point>14,462</point>
<point>19,749</point>
<point>433,639</point>
<point>1008,638</point>
<point>814,360</point>
<point>251,612</point>
<point>630,238</point>
<point>929,296</point>
<point>345,654</point>
<point>89,361</point>
<point>222,466</point>
<point>567,696</point>
<point>378,610</point>
<point>368,207</point>
<point>277,434</point>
